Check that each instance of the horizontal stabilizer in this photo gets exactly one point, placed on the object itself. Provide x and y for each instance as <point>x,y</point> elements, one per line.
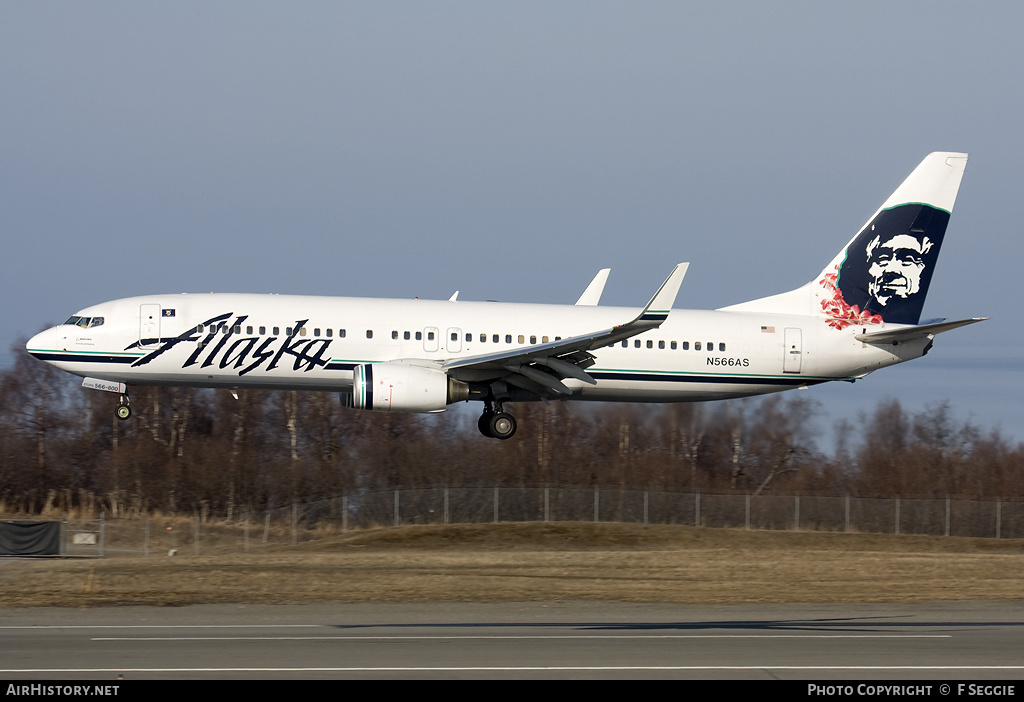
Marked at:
<point>908,333</point>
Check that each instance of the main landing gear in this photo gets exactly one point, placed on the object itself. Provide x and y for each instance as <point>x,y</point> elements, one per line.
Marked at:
<point>123,409</point>
<point>497,425</point>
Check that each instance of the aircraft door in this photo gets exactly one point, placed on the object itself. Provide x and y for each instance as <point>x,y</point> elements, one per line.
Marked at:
<point>453,342</point>
<point>149,325</point>
<point>792,350</point>
<point>430,339</point>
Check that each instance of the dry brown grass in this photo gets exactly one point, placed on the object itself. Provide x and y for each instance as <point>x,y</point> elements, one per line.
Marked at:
<point>541,561</point>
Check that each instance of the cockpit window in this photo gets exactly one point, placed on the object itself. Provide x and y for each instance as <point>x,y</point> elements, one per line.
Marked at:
<point>85,322</point>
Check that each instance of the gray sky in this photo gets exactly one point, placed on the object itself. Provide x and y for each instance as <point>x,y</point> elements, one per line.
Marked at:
<point>509,150</point>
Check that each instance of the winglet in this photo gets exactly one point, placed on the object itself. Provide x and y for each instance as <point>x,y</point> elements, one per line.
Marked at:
<point>592,295</point>
<point>658,308</point>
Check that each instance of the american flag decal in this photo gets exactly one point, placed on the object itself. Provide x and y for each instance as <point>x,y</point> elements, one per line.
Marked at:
<point>767,330</point>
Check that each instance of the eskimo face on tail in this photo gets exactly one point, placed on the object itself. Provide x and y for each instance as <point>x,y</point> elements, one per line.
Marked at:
<point>895,267</point>
<point>889,265</point>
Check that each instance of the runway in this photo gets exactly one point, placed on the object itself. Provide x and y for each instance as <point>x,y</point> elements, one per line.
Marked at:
<point>578,640</point>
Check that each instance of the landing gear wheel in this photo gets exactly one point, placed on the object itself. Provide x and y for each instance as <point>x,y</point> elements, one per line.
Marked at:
<point>484,424</point>
<point>502,426</point>
<point>123,409</point>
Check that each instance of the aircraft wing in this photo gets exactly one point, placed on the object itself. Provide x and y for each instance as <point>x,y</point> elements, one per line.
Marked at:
<point>885,336</point>
<point>541,368</point>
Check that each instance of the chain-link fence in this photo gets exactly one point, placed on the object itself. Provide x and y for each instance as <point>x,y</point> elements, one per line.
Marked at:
<point>302,522</point>
<point>995,518</point>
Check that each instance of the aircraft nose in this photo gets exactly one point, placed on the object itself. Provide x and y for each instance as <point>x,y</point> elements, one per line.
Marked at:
<point>43,341</point>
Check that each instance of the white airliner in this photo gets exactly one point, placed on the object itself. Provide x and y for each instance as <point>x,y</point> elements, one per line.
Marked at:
<point>861,313</point>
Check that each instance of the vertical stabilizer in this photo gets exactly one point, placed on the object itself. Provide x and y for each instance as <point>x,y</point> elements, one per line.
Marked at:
<point>883,273</point>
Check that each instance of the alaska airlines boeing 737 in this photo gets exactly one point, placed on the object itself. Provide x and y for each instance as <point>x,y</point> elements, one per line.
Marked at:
<point>861,313</point>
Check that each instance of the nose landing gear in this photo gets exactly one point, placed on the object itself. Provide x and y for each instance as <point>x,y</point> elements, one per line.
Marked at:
<point>123,409</point>
<point>496,424</point>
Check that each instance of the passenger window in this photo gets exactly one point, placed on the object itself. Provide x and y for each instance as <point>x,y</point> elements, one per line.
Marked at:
<point>287,331</point>
<point>341,333</point>
<point>277,331</point>
<point>508,338</point>
<point>711,346</point>
<point>419,336</point>
<point>721,347</point>
<point>406,336</point>
<point>455,336</point>
<point>696,346</point>
<point>199,328</point>
<point>544,340</point>
<point>394,335</point>
<point>483,338</point>
<point>673,345</point>
<point>469,337</point>
<point>330,332</point>
<point>686,346</point>
<point>369,333</point>
<point>533,339</point>
<point>430,336</point>
<point>521,339</point>
<point>636,343</point>
<point>494,339</point>
<point>625,344</point>
<point>316,331</point>
<point>650,344</point>
<point>661,344</point>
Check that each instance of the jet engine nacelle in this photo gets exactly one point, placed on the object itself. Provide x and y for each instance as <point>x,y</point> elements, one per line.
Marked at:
<point>396,387</point>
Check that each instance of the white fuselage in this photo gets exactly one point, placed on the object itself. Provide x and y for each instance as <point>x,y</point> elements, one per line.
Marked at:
<point>313,343</point>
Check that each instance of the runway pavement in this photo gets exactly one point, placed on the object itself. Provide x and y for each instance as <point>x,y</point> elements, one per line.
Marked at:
<point>936,641</point>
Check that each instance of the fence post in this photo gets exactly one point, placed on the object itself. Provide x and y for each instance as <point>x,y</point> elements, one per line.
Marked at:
<point>246,532</point>
<point>645,506</point>
<point>999,516</point>
<point>846,527</point>
<point>696,518</point>
<point>195,539</point>
<point>796,513</point>
<point>897,531</point>
<point>747,516</point>
<point>947,515</point>
<point>266,528</point>
<point>103,524</point>
<point>295,522</point>
<point>596,501</point>
<point>496,505</point>
<point>547,505</point>
<point>344,514</point>
<point>446,505</point>
<point>145,543</point>
<point>397,522</point>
